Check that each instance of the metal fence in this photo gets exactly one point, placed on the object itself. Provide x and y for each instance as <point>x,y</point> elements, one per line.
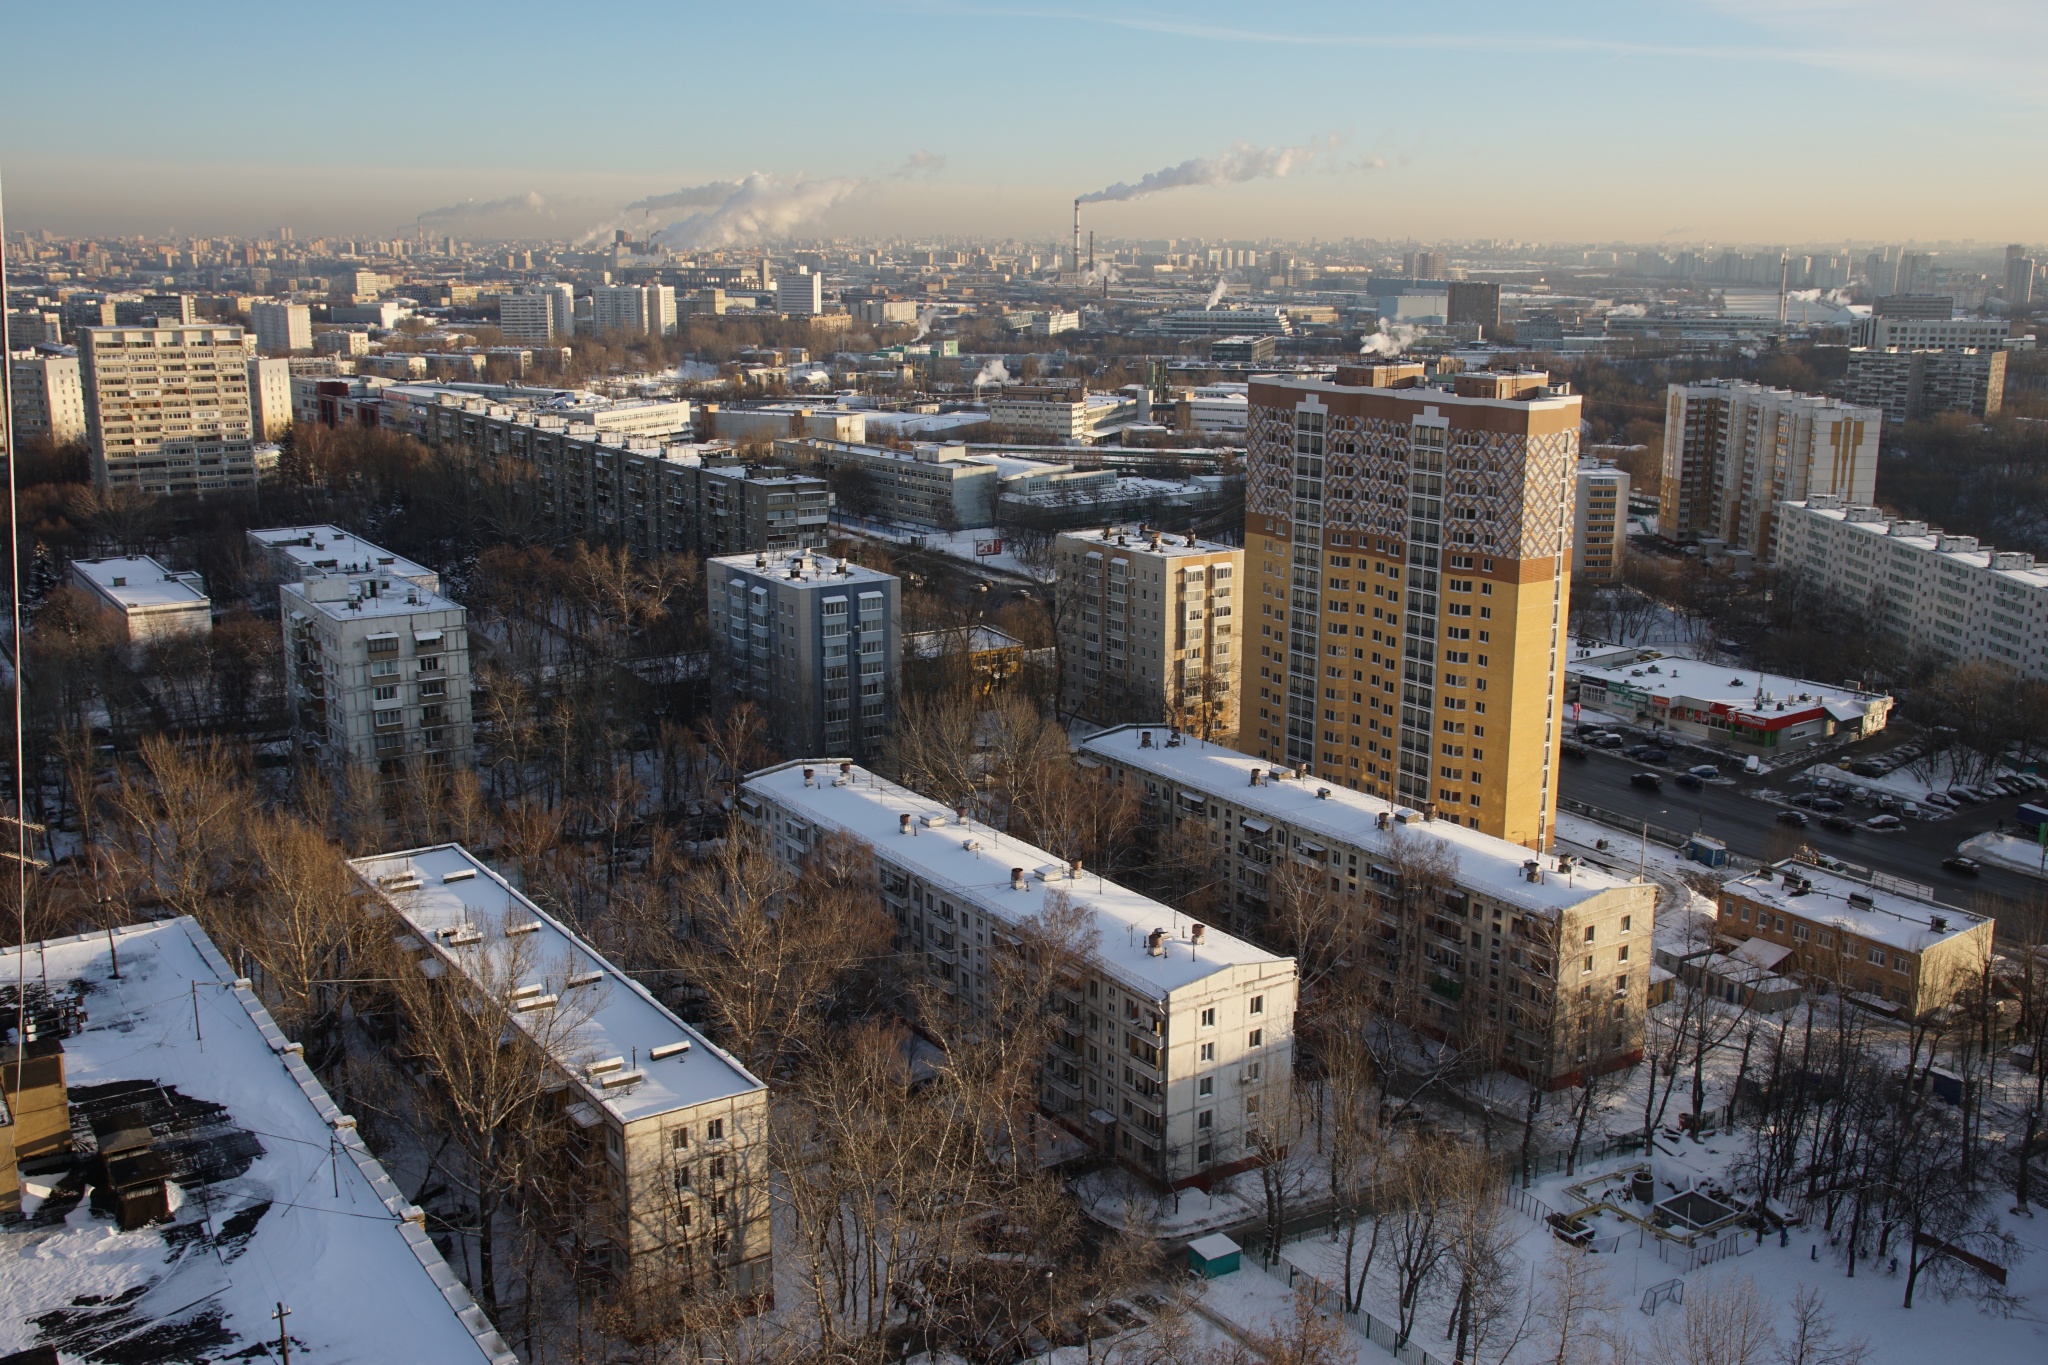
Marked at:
<point>1378,1331</point>
<point>1616,820</point>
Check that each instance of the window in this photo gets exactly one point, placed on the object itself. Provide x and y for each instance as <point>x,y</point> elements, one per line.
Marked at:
<point>1205,1153</point>
<point>679,1138</point>
<point>1589,965</point>
<point>1208,1052</point>
<point>1251,1105</point>
<point>682,1178</point>
<point>1622,954</point>
<point>1205,1087</point>
<point>1209,1018</point>
<point>1877,956</point>
<point>1589,933</point>
<point>1206,1119</point>
<point>714,1130</point>
<point>387,692</point>
<point>718,1168</point>
<point>1625,923</point>
<point>1257,1039</point>
<point>1258,1004</point>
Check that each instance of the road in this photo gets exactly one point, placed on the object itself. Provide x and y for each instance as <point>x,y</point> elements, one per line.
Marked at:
<point>1729,812</point>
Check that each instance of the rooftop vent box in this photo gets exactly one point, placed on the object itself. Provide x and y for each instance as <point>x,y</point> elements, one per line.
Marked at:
<point>667,1050</point>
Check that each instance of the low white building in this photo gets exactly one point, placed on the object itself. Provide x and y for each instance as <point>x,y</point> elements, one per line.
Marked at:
<point>1219,409</point>
<point>1762,712</point>
<point>151,602</point>
<point>1948,595</point>
<point>1178,1038</point>
<point>677,1125</point>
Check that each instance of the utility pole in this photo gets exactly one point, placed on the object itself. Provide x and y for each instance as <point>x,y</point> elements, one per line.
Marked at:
<point>284,1340</point>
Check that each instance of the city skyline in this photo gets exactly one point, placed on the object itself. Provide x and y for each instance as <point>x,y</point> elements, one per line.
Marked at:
<point>1705,121</point>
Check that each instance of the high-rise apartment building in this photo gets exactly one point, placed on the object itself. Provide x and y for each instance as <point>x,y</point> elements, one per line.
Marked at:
<point>1411,545</point>
<point>1177,1040</point>
<point>1600,522</point>
<point>1909,307</point>
<point>270,397</point>
<point>1424,265</point>
<point>27,327</point>
<point>636,309</point>
<point>1147,628</point>
<point>1939,333</point>
<point>2019,277</point>
<point>48,398</point>
<point>1733,451</point>
<point>801,295</point>
<point>815,642</point>
<point>1549,954</point>
<point>282,328</point>
<point>1911,386</point>
<point>538,315</point>
<point>1881,271</point>
<point>167,408</point>
<point>376,664</point>
<point>669,1130</point>
<point>1475,302</point>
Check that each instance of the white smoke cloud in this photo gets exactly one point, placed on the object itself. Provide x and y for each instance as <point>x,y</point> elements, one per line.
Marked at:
<point>925,318</point>
<point>529,202</point>
<point>692,197</point>
<point>993,371</point>
<point>1239,162</point>
<point>920,163</point>
<point>696,372</point>
<point>1390,340</point>
<point>1216,294</point>
<point>759,208</point>
<point>1628,310</point>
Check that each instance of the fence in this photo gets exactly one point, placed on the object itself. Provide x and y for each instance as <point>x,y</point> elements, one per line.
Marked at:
<point>1378,1331</point>
<point>1555,1162</point>
<point>1616,820</point>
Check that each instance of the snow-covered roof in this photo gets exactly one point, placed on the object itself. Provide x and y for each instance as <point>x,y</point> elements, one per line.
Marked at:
<point>275,1195</point>
<point>813,567</point>
<point>975,862</point>
<point>329,549</point>
<point>343,602</point>
<point>445,892</point>
<point>1719,687</point>
<point>138,581</point>
<point>1130,540</point>
<point>1486,864</point>
<point>1962,551</point>
<point>1879,914</point>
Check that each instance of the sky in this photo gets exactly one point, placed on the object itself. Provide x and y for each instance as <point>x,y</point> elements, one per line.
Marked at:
<point>1680,121</point>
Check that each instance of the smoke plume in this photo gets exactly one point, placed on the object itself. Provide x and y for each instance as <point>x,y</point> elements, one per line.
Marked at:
<point>530,202</point>
<point>1628,310</point>
<point>993,371</point>
<point>925,318</point>
<point>1240,162</point>
<point>759,208</point>
<point>918,164</point>
<point>1390,340</point>
<point>1216,294</point>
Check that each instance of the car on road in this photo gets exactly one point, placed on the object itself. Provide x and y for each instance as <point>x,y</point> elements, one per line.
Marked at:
<point>1884,822</point>
<point>1572,749</point>
<point>1840,824</point>
<point>1647,753</point>
<point>1968,867</point>
<point>1827,805</point>
<point>1653,781</point>
<point>1690,779</point>
<point>1792,817</point>
<point>1804,799</point>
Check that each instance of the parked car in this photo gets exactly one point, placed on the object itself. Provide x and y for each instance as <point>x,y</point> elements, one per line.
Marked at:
<point>1609,740</point>
<point>1968,867</point>
<point>1884,822</point>
<point>1860,795</point>
<point>1886,801</point>
<point>1868,767</point>
<point>1651,780</point>
<point>1792,817</point>
<point>1690,779</point>
<point>1804,799</point>
<point>1966,795</point>
<point>1571,749</point>
<point>1840,824</point>
<point>1827,804</point>
<point>1909,810</point>
<point>1940,799</point>
<point>1704,770</point>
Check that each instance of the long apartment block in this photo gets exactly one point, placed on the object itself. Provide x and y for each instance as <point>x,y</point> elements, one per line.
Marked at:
<point>1148,627</point>
<point>672,1128</point>
<point>1549,955</point>
<point>1177,1038</point>
<point>376,661</point>
<point>1408,546</point>
<point>1947,595</point>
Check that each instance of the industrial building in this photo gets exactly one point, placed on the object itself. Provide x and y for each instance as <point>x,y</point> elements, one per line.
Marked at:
<point>671,1128</point>
<point>1411,545</point>
<point>1180,1037</point>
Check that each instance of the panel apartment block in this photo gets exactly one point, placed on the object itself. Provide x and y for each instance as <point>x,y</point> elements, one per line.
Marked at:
<point>167,409</point>
<point>1147,625</point>
<point>1178,1037</point>
<point>1550,952</point>
<point>675,1129</point>
<point>1411,547</point>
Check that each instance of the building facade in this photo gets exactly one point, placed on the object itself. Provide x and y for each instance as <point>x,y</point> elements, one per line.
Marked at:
<point>1412,548</point>
<point>150,602</point>
<point>167,409</point>
<point>1600,522</point>
<point>1178,1039</point>
<point>1550,956</point>
<point>670,1128</point>
<point>538,315</point>
<point>815,642</point>
<point>270,398</point>
<point>636,309</point>
<point>1937,332</point>
<point>1946,595</point>
<point>932,484</point>
<point>282,328</point>
<point>1148,628</point>
<point>1912,386</point>
<point>801,295</point>
<point>376,666</point>
<point>1881,941</point>
<point>48,396</point>
<point>1733,451</point>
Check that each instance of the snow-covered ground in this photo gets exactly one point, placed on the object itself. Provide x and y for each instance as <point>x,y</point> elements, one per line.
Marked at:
<point>2007,851</point>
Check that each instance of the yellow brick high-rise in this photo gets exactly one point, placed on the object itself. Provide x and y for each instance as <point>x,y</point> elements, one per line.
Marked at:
<point>1408,568</point>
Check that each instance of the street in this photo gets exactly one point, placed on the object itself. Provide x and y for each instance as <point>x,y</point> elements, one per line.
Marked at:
<point>1728,812</point>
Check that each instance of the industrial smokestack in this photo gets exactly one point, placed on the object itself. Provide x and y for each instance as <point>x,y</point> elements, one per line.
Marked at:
<point>1077,236</point>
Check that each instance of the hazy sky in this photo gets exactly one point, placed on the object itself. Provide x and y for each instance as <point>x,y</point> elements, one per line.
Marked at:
<point>1731,120</point>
